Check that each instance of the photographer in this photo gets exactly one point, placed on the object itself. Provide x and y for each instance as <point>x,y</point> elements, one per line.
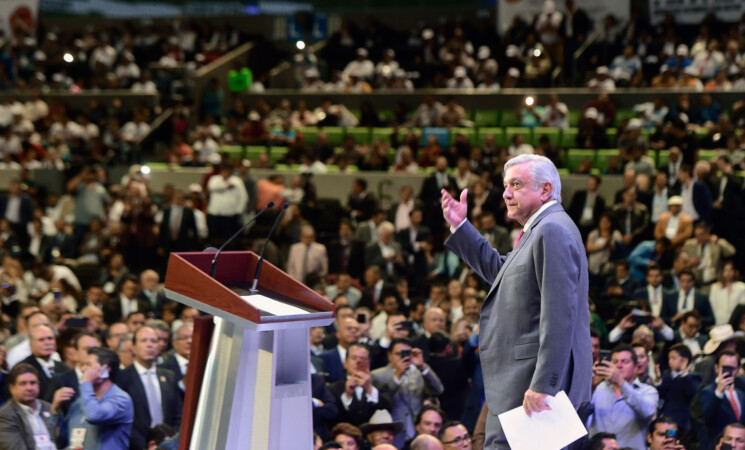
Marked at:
<point>663,435</point>
<point>408,380</point>
<point>721,402</point>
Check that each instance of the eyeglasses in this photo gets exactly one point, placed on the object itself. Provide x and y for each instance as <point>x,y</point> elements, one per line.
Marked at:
<point>459,440</point>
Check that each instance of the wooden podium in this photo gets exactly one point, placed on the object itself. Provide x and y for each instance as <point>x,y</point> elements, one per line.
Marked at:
<point>248,383</point>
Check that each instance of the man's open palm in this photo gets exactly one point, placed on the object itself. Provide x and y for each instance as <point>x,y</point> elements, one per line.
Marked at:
<point>454,211</point>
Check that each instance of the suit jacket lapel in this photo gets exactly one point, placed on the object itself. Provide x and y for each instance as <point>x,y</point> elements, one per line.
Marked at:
<point>28,432</point>
<point>163,389</point>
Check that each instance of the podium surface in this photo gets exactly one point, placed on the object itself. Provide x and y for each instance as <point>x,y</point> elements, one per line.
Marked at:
<point>256,378</point>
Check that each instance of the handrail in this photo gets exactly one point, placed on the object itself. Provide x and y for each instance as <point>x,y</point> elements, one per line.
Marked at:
<point>588,42</point>
<point>283,67</point>
<point>154,127</point>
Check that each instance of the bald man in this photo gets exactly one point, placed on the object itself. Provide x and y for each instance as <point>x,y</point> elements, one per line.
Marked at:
<point>434,321</point>
<point>425,442</point>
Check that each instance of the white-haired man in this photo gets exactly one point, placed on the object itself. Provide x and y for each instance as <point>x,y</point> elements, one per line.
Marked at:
<point>535,336</point>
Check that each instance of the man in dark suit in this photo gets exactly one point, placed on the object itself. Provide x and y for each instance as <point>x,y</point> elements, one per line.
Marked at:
<point>346,254</point>
<point>729,209</point>
<point>356,395</point>
<point>120,306</point>
<point>84,341</point>
<point>15,432</point>
<point>385,252</point>
<point>622,285</point>
<point>721,402</point>
<point>178,361</point>
<point>631,218</point>
<point>178,228</point>
<point>676,303</point>
<point>17,208</point>
<point>150,292</point>
<point>587,206</point>
<point>549,348</point>
<point>375,286</point>
<point>653,293</point>
<point>333,360</point>
<point>154,391</point>
<point>678,386</point>
<point>429,195</point>
<point>43,346</point>
<point>361,203</point>
<point>498,236</point>
<point>697,201</point>
<point>414,242</point>
<point>452,373</point>
<point>574,28</point>
<point>63,242</point>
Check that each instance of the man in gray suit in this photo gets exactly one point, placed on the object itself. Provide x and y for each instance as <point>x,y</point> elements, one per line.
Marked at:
<point>25,421</point>
<point>535,334</point>
<point>406,380</point>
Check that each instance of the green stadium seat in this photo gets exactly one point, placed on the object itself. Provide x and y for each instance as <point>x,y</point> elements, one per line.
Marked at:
<point>509,118</point>
<point>361,135</point>
<point>277,153</point>
<point>310,134</point>
<point>483,132</point>
<point>486,117</point>
<point>253,152</point>
<point>469,132</point>
<point>332,168</point>
<point>574,116</point>
<point>352,169</point>
<point>382,134</point>
<point>554,135</point>
<point>509,132</point>
<point>563,171</point>
<point>702,133</point>
<point>575,156</point>
<point>159,166</point>
<point>624,114</point>
<point>356,113</point>
<point>603,156</point>
<point>612,134</point>
<point>705,155</point>
<point>282,167</point>
<point>662,157</point>
<point>569,137</point>
<point>386,115</point>
<point>335,135</point>
<point>232,151</point>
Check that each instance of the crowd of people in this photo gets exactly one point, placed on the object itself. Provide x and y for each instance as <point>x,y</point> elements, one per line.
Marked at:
<point>460,54</point>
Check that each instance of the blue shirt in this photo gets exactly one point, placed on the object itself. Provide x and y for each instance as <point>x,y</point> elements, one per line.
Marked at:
<point>627,416</point>
<point>108,420</point>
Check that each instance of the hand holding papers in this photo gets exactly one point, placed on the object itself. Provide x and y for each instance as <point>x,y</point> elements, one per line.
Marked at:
<point>548,430</point>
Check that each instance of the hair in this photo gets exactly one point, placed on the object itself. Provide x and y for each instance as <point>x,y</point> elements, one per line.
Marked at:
<point>692,313</point>
<point>727,352</point>
<point>20,369</point>
<point>130,277</point>
<point>129,337</point>
<point>430,407</point>
<point>385,226</point>
<point>637,343</point>
<point>397,341</point>
<point>623,263</point>
<point>625,348</point>
<point>445,426</point>
<point>342,307</point>
<point>182,326</point>
<point>686,272</point>
<point>158,325</point>
<point>542,170</point>
<point>133,313</point>
<point>83,334</point>
<point>107,357</point>
<point>663,419</point>
<point>682,350</point>
<point>703,226</point>
<point>597,179</point>
<point>361,182</point>
<point>348,429</point>
<point>134,335</point>
<point>362,346</point>
<point>160,433</point>
<point>35,313</point>
<point>594,334</point>
<point>596,441</point>
<point>686,168</point>
<point>438,342</point>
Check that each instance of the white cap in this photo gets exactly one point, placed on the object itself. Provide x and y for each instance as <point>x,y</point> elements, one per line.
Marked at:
<point>253,115</point>
<point>513,72</point>
<point>459,72</point>
<point>634,124</point>
<point>195,187</point>
<point>591,113</point>
<point>214,159</point>
<point>362,52</point>
<point>682,50</point>
<point>664,68</point>
<point>312,73</point>
<point>690,70</point>
<point>602,70</point>
<point>427,33</point>
<point>483,52</point>
<point>511,51</point>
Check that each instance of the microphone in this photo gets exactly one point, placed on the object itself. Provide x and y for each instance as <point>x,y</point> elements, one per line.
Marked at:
<point>252,220</point>
<point>285,205</point>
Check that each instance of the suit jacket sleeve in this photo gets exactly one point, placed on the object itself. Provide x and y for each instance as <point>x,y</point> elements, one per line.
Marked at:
<point>709,403</point>
<point>558,276</point>
<point>12,431</point>
<point>433,383</point>
<point>476,251</point>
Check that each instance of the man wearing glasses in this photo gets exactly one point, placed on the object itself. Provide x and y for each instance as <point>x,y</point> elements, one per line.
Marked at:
<point>455,436</point>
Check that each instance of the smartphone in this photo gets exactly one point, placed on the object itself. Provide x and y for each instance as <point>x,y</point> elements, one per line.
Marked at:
<point>725,446</point>
<point>605,355</point>
<point>405,325</point>
<point>405,354</point>
<point>728,371</point>
<point>361,318</point>
<point>671,433</point>
<point>76,322</point>
<point>104,374</point>
<point>57,296</point>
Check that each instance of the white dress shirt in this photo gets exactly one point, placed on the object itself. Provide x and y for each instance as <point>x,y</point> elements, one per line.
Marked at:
<point>151,372</point>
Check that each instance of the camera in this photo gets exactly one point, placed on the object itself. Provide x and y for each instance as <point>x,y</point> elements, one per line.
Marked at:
<point>671,433</point>
<point>406,354</point>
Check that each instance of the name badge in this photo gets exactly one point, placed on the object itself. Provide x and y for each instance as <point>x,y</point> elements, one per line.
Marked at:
<point>43,442</point>
<point>77,437</point>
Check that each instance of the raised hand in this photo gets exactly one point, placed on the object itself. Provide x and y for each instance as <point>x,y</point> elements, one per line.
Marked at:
<point>454,211</point>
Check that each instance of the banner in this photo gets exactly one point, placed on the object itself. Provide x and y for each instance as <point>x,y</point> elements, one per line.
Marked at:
<point>18,13</point>
<point>149,9</point>
<point>693,11</point>
<point>528,9</point>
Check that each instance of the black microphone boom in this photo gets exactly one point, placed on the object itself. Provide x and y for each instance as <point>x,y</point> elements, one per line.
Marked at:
<point>252,220</point>
<point>261,256</point>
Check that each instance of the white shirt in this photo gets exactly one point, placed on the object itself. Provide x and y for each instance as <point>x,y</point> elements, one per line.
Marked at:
<point>225,200</point>
<point>128,305</point>
<point>692,344</point>
<point>659,204</point>
<point>182,362</point>
<point>151,372</point>
<point>13,209</point>
<point>37,425</point>
<point>342,353</point>
<point>682,297</point>
<point>403,210</point>
<point>655,303</point>
<point>672,226</point>
<point>687,193</point>
<point>556,117</point>
<point>372,397</point>
<point>724,302</point>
